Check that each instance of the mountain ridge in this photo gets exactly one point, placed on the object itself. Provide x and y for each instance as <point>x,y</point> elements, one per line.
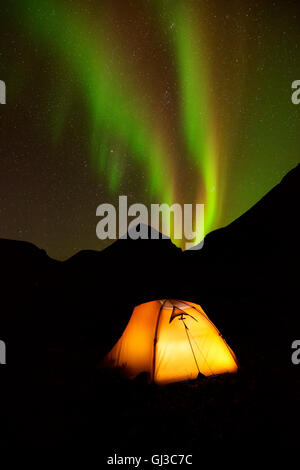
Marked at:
<point>9,244</point>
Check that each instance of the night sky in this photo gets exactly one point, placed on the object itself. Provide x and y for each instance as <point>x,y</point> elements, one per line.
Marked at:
<point>163,101</point>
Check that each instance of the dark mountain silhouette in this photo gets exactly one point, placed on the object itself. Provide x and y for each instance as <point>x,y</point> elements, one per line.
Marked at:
<point>250,269</point>
<point>269,227</point>
<point>22,266</point>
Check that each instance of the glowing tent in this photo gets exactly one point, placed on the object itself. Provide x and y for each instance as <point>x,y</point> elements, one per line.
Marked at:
<point>171,341</point>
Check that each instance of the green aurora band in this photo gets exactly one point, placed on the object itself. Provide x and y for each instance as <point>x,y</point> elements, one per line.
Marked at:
<point>122,124</point>
<point>115,111</point>
<point>196,115</point>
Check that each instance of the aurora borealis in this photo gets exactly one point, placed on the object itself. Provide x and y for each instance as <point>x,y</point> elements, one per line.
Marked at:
<point>164,101</point>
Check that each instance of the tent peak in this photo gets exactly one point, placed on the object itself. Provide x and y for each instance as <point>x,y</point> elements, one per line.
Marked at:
<point>170,303</point>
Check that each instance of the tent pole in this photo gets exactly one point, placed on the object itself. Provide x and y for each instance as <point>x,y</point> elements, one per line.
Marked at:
<point>186,330</point>
<point>155,340</point>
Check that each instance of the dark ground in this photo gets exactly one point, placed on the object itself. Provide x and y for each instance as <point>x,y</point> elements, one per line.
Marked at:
<point>88,409</point>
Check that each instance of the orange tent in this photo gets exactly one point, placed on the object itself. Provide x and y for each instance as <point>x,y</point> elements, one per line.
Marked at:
<point>171,341</point>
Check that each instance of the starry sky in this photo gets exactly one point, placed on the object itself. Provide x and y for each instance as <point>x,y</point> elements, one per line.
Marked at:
<point>164,101</point>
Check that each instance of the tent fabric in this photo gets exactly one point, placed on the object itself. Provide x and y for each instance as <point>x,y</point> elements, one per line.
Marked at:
<point>171,341</point>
